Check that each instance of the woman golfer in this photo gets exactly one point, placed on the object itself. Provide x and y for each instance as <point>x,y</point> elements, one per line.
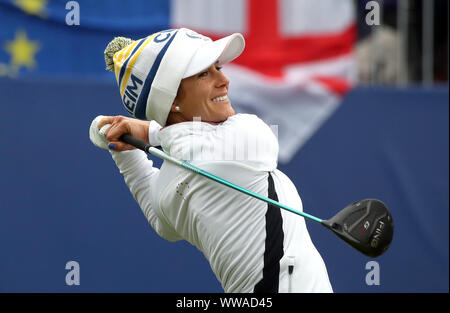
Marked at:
<point>172,83</point>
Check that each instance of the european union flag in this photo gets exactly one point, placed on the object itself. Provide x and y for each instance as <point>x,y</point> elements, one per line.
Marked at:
<point>43,37</point>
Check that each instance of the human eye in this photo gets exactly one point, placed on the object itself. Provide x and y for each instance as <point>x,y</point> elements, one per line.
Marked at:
<point>219,68</point>
<point>203,74</point>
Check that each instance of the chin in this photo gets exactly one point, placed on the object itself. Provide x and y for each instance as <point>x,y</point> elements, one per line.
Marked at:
<point>222,115</point>
<point>230,112</point>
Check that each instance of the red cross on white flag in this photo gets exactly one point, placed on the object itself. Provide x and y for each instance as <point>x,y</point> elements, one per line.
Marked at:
<point>298,60</point>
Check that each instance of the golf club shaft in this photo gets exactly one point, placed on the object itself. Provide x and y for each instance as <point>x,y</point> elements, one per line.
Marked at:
<point>127,138</point>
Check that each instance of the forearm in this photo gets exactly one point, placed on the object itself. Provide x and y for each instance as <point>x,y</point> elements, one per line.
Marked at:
<point>138,173</point>
<point>134,166</point>
<point>138,170</point>
<point>140,176</point>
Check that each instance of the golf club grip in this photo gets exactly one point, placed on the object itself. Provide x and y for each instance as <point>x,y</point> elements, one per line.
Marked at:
<point>140,144</point>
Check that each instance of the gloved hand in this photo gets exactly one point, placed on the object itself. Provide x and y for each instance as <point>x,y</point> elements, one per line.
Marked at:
<point>97,136</point>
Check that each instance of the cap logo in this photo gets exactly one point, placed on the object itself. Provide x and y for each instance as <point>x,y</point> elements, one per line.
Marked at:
<point>131,93</point>
<point>140,111</point>
<point>162,39</point>
<point>193,36</point>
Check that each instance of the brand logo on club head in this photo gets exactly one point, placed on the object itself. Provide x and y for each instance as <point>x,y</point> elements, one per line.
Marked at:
<point>376,237</point>
<point>365,226</point>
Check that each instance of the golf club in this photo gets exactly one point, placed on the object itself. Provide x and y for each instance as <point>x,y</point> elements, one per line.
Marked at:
<point>366,225</point>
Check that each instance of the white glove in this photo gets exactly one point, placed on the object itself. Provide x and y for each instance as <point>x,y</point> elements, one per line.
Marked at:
<point>96,135</point>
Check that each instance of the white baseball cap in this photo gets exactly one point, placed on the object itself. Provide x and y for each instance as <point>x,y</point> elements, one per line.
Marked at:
<point>149,70</point>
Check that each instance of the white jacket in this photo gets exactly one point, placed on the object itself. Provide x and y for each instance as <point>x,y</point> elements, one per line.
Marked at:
<point>244,241</point>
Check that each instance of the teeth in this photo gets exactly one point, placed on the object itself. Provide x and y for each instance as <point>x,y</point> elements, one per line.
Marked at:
<point>218,99</point>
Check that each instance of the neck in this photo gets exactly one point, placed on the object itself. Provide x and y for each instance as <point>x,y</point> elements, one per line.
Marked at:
<point>175,117</point>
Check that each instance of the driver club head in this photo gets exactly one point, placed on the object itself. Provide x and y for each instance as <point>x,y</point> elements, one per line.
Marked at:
<point>366,225</point>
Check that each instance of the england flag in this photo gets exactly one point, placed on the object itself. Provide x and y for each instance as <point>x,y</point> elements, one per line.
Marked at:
<point>298,61</point>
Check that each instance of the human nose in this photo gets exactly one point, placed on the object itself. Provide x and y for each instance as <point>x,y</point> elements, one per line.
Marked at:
<point>222,80</point>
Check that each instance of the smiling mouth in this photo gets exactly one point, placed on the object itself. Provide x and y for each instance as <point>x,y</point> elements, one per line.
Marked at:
<point>220,99</point>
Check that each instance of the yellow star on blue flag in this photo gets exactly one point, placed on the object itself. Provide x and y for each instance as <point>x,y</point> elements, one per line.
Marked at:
<point>22,50</point>
<point>33,7</point>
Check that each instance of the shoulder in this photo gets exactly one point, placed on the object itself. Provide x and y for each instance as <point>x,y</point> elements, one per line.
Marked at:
<point>243,117</point>
<point>244,120</point>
